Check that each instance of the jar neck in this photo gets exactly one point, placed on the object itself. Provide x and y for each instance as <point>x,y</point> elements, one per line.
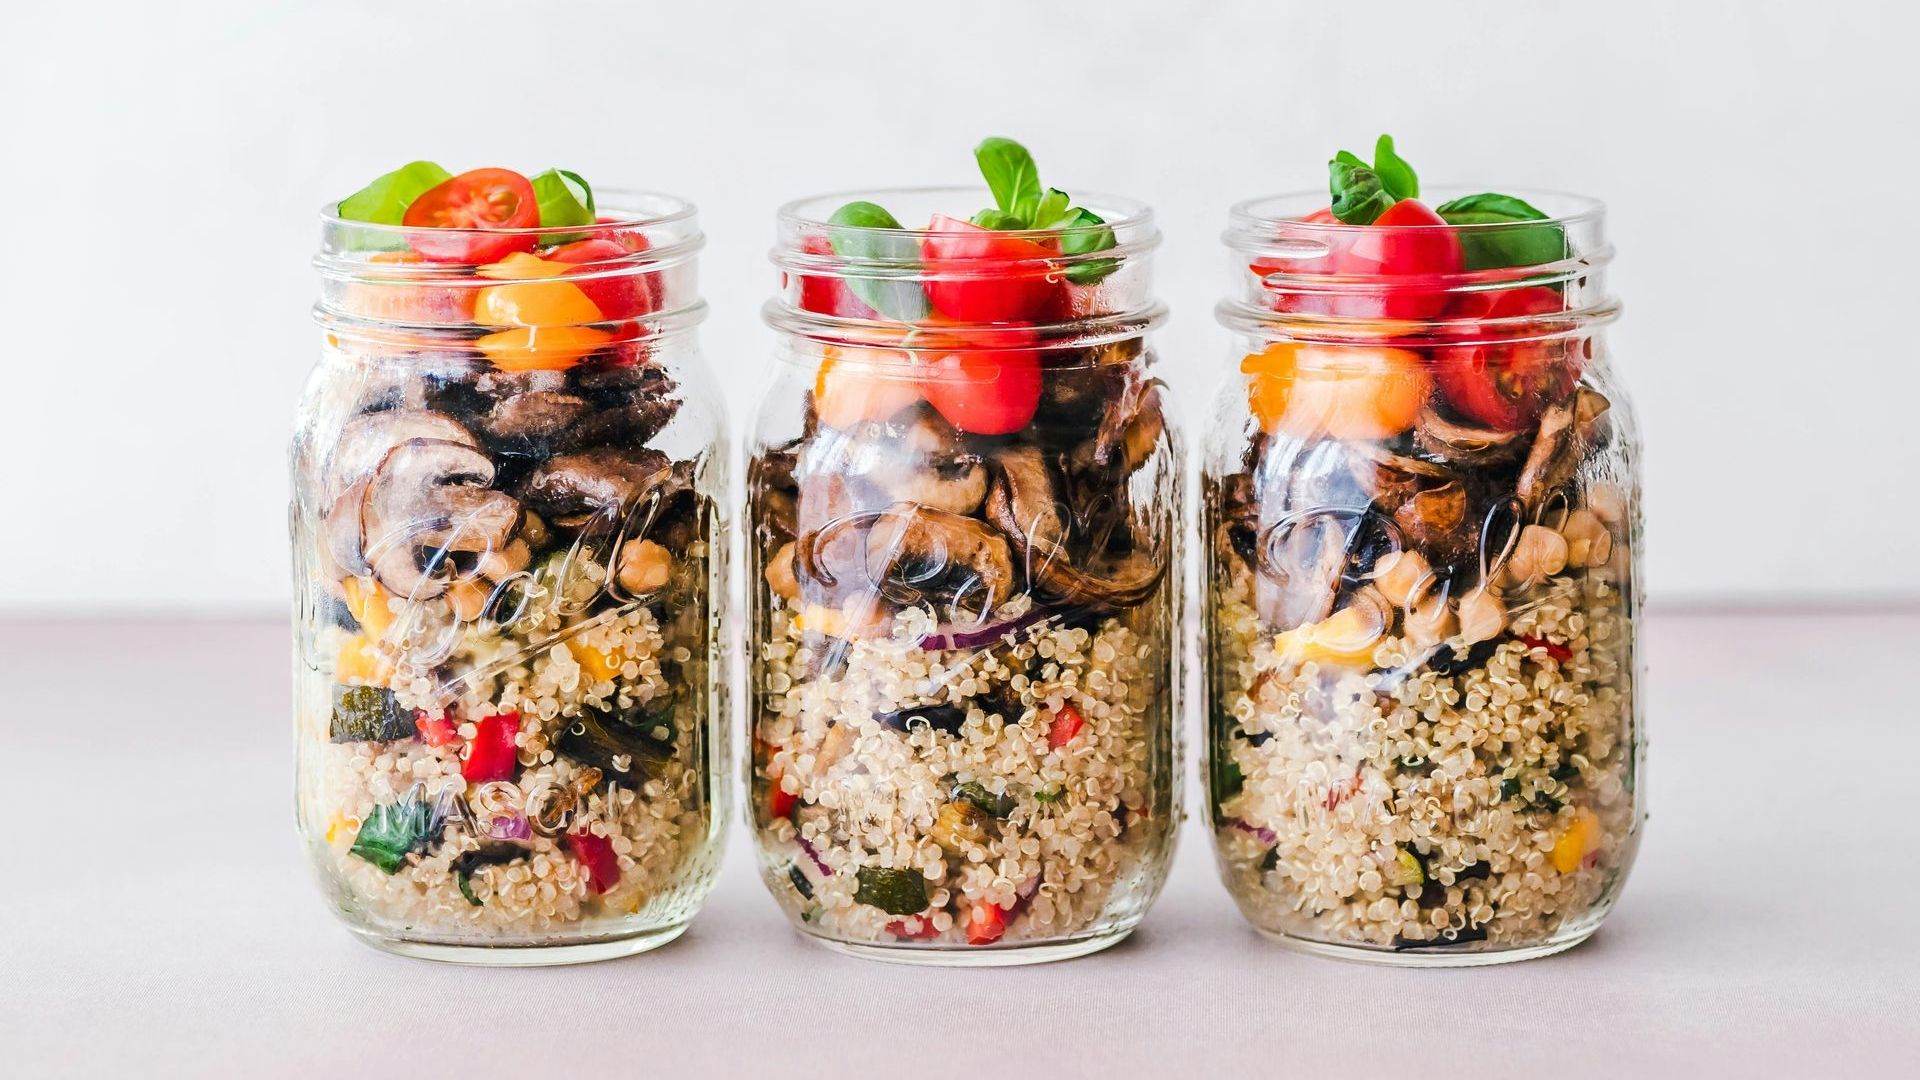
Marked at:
<point>632,275</point>
<point>1299,276</point>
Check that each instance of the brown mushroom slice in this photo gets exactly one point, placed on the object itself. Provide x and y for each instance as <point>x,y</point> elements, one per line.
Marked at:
<point>1130,428</point>
<point>1435,520</point>
<point>366,439</point>
<point>1300,561</point>
<point>1022,504</point>
<point>427,503</point>
<point>1550,461</point>
<point>1463,444</point>
<point>914,554</point>
<point>602,481</point>
<point>828,550</point>
<point>927,463</point>
<point>536,419</point>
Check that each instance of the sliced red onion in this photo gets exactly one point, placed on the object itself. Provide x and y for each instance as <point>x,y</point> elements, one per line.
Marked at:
<point>509,827</point>
<point>1022,897</point>
<point>1266,835</point>
<point>825,870</point>
<point>986,636</point>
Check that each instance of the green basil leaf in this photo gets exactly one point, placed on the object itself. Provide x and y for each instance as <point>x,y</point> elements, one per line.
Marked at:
<point>1395,174</point>
<point>1053,206</point>
<point>565,198</point>
<point>385,201</point>
<point>1011,174</point>
<point>1358,195</point>
<point>998,220</point>
<point>1348,157</point>
<point>904,301</point>
<point>1084,240</point>
<point>1495,248</point>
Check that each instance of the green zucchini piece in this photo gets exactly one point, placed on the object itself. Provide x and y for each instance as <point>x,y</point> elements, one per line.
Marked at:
<point>896,892</point>
<point>368,714</point>
<point>393,831</point>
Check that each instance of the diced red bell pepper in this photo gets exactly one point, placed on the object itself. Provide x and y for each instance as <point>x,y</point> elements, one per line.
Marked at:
<point>435,730</point>
<point>918,928</point>
<point>1066,724</point>
<point>596,854</point>
<point>492,755</point>
<point>779,803</point>
<point>1554,649</point>
<point>985,923</point>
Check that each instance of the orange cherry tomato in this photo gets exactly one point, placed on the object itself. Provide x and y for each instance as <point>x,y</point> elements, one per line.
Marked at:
<point>534,303</point>
<point>448,218</point>
<point>856,385</point>
<point>417,297</point>
<point>1341,391</point>
<point>541,348</point>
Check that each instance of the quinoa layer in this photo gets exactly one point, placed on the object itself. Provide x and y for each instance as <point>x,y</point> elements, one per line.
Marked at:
<point>987,804</point>
<point>1442,796</point>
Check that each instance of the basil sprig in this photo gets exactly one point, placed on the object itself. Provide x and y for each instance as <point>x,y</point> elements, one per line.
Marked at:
<point>565,198</point>
<point>1493,248</point>
<point>385,201</point>
<point>898,299</point>
<point>1362,192</point>
<point>1023,205</point>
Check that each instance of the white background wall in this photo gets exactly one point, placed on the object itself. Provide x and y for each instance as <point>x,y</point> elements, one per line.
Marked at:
<point>161,163</point>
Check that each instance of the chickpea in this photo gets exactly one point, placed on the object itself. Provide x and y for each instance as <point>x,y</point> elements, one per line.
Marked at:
<point>1401,575</point>
<point>1430,619</point>
<point>1539,554</point>
<point>779,574</point>
<point>1589,541</point>
<point>644,567</point>
<point>469,599</point>
<point>1482,615</point>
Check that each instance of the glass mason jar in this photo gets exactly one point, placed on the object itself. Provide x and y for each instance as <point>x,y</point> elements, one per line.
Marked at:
<point>510,564</point>
<point>965,547</point>
<point>1422,535</point>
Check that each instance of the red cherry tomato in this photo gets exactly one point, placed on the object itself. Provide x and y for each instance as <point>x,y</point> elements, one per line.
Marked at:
<point>1406,247</point>
<point>481,199</point>
<point>1066,724</point>
<point>826,294</point>
<point>1506,385</point>
<point>624,296</point>
<point>977,275</point>
<point>986,923</point>
<point>492,754</point>
<point>983,391</point>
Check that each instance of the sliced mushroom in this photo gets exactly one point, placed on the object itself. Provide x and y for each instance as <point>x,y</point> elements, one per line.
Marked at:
<point>366,439</point>
<point>1437,522</point>
<point>534,422</point>
<point>916,554</point>
<point>828,551</point>
<point>1023,504</point>
<point>632,403</point>
<point>603,481</point>
<point>427,517</point>
<point>926,463</point>
<point>1551,459</point>
<point>1130,428</point>
<point>1463,444</point>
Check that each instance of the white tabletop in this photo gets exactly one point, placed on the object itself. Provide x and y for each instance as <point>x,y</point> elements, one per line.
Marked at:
<point>156,913</point>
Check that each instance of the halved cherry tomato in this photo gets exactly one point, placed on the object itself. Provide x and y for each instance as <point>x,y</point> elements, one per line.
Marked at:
<point>1342,391</point>
<point>434,730</point>
<point>982,391</point>
<point>854,385</point>
<point>986,923</point>
<point>480,199</point>
<point>409,297</point>
<point>1506,385</point>
<point>621,294</point>
<point>1409,248</point>
<point>826,294</point>
<point>542,348</point>
<point>978,275</point>
<point>492,755</point>
<point>534,303</point>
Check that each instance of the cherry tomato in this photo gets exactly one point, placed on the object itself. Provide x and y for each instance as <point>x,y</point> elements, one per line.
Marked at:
<point>1407,247</point>
<point>1066,724</point>
<point>986,923</point>
<point>826,294</point>
<point>621,295</point>
<point>1506,385</point>
<point>977,275</point>
<point>1342,391</point>
<point>542,348</point>
<point>534,303</point>
<point>480,199</point>
<point>855,385</point>
<point>597,855</point>
<point>409,297</point>
<point>982,391</point>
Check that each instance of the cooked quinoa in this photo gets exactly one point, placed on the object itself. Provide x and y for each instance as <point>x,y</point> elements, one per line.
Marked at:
<point>491,876</point>
<point>1429,799</point>
<point>979,806</point>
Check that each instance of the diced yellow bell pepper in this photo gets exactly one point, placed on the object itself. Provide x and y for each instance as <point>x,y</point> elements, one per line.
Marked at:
<point>1581,839</point>
<point>367,603</point>
<point>599,664</point>
<point>359,659</point>
<point>1344,639</point>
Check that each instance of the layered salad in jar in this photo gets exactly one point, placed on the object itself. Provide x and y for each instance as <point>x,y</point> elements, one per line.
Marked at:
<point>1422,721</point>
<point>965,562</point>
<point>507,560</point>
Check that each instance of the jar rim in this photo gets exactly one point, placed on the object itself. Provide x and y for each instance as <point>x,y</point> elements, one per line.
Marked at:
<point>1289,208</point>
<point>811,212</point>
<point>670,209</point>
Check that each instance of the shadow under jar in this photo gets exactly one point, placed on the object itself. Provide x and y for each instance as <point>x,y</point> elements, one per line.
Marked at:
<point>1422,535</point>
<point>965,576</point>
<point>510,565</point>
